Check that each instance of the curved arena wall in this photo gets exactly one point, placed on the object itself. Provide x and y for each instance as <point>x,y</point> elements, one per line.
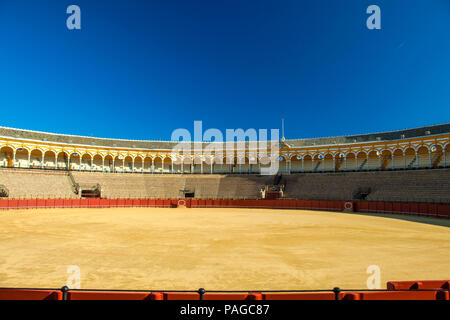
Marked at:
<point>405,208</point>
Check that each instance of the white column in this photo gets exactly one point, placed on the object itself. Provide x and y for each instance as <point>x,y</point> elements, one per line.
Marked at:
<point>29,159</point>
<point>103,164</point>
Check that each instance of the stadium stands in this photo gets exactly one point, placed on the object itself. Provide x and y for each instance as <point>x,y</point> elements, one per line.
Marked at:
<point>425,147</point>
<point>36,183</point>
<point>173,186</point>
<point>407,165</point>
<point>410,185</point>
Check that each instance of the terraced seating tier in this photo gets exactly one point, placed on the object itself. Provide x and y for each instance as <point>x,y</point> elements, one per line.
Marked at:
<point>410,185</point>
<point>36,184</point>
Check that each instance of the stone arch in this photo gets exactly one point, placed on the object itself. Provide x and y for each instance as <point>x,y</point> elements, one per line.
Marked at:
<point>167,162</point>
<point>62,160</point>
<point>307,163</point>
<point>263,162</point>
<point>206,163</point>
<point>253,166</point>
<point>373,160</point>
<point>74,161</point>
<point>328,162</point>
<point>219,163</point>
<point>386,159</point>
<point>186,163</point>
<point>158,164</point>
<point>244,165</point>
<point>317,162</point>
<point>233,166</point>
<point>86,162</point>
<point>176,163</point>
<point>398,159</point>
<point>423,157</point>
<point>108,163</point>
<point>361,160</point>
<point>197,164</point>
<point>148,164</point>
<point>97,162</point>
<point>410,157</point>
<point>118,163</point>
<point>50,159</point>
<point>36,158</point>
<point>138,164</point>
<point>296,163</point>
<point>350,161</point>
<point>283,164</point>
<point>6,156</point>
<point>437,156</point>
<point>128,164</point>
<point>22,155</point>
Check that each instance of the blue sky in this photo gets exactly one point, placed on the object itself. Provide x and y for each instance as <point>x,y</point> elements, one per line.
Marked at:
<point>140,69</point>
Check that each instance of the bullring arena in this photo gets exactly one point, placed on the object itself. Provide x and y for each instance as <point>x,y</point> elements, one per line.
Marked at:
<point>131,217</point>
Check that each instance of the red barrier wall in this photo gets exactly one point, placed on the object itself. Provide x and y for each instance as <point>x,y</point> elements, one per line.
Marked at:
<point>401,295</point>
<point>54,294</point>
<point>424,284</point>
<point>24,294</point>
<point>410,208</point>
<point>422,209</point>
<point>96,295</point>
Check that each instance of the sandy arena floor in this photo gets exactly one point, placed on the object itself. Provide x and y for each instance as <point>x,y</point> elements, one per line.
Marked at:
<point>218,249</point>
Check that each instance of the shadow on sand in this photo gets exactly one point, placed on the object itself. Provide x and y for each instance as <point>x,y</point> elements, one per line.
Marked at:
<point>428,220</point>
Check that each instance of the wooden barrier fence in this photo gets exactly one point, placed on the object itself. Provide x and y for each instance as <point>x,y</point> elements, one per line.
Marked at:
<point>441,210</point>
